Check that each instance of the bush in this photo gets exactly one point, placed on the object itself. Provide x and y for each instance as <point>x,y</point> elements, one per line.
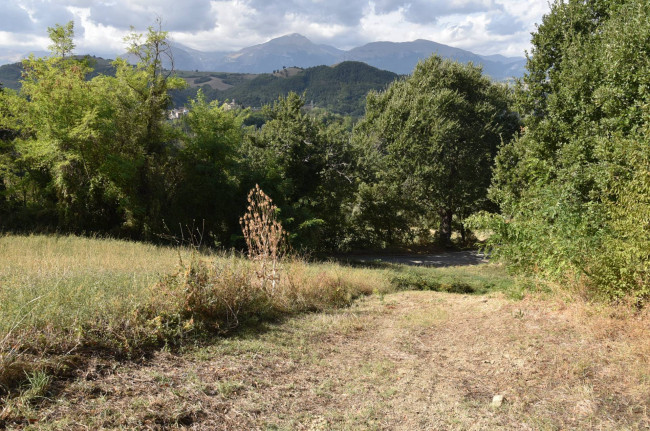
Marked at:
<point>574,187</point>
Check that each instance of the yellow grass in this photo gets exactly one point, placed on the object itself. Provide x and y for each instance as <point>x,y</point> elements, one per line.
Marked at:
<point>67,294</point>
<point>70,279</point>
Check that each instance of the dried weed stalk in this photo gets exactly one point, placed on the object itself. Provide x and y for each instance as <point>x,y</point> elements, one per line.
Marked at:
<point>265,238</point>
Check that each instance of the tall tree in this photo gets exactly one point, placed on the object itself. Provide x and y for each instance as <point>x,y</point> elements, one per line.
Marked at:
<point>208,189</point>
<point>437,133</point>
<point>305,165</point>
<point>62,37</point>
<point>55,114</point>
<point>141,116</point>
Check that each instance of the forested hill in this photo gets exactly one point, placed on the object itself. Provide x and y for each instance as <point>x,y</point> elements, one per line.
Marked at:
<point>10,75</point>
<point>341,88</point>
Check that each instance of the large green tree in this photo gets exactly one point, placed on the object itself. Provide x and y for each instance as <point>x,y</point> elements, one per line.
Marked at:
<point>573,189</point>
<point>208,191</point>
<point>62,37</point>
<point>91,154</point>
<point>146,170</point>
<point>434,136</point>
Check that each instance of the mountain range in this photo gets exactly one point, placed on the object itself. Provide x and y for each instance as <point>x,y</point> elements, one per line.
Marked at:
<point>329,78</point>
<point>297,50</point>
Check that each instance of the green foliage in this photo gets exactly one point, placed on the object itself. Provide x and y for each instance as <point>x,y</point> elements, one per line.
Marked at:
<point>90,155</point>
<point>11,74</point>
<point>62,39</point>
<point>58,115</point>
<point>305,165</point>
<point>573,188</point>
<point>208,186</point>
<point>379,216</point>
<point>431,139</point>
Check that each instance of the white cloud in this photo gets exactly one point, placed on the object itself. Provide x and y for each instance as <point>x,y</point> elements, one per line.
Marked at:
<point>482,26</point>
<point>98,39</point>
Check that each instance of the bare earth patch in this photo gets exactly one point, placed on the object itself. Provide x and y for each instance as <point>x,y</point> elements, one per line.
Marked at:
<point>406,361</point>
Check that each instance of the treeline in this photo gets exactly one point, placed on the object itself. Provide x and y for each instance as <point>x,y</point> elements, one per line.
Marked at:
<point>100,156</point>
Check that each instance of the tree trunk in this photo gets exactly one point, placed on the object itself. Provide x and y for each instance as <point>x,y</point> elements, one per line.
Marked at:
<point>3,198</point>
<point>444,233</point>
<point>463,233</point>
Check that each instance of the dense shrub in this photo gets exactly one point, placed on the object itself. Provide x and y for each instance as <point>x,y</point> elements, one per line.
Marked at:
<point>573,188</point>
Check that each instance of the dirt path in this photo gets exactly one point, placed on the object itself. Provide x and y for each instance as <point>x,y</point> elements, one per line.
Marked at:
<point>407,361</point>
<point>437,260</point>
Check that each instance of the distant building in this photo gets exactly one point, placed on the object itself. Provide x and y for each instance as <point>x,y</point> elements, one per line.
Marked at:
<point>229,106</point>
<point>175,114</point>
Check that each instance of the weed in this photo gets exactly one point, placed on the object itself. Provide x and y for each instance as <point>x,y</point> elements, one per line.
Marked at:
<point>264,237</point>
<point>38,384</point>
<point>228,388</point>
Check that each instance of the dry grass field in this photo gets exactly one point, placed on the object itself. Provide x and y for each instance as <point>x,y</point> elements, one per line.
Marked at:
<point>391,359</point>
<point>404,361</point>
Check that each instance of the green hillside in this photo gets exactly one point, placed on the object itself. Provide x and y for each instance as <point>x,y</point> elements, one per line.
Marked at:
<point>340,89</point>
<point>10,75</point>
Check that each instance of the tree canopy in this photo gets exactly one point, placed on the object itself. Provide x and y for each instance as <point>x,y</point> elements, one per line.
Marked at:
<point>435,135</point>
<point>574,187</point>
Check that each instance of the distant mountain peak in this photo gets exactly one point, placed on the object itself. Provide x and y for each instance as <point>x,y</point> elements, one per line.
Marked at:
<point>294,49</point>
<point>293,38</point>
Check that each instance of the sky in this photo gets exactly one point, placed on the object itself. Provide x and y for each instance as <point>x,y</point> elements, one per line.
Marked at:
<point>481,26</point>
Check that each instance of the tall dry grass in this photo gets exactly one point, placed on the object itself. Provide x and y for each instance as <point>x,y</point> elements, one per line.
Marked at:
<point>64,296</point>
<point>222,292</point>
<point>70,295</point>
<point>55,291</point>
<point>53,284</point>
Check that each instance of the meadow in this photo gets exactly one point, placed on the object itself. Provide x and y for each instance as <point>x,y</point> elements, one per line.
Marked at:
<point>104,333</point>
<point>64,297</point>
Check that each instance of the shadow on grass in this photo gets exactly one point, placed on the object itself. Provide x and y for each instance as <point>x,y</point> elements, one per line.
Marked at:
<point>437,260</point>
<point>476,279</point>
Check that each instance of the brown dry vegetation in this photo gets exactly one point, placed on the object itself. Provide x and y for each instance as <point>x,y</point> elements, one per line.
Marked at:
<point>404,361</point>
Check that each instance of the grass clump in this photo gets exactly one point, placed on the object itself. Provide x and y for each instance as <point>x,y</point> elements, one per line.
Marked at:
<point>478,279</point>
<point>220,294</point>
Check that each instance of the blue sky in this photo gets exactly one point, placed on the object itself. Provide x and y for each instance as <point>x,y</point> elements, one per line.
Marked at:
<point>482,26</point>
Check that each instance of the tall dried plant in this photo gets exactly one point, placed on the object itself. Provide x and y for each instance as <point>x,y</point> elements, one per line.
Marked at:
<point>265,237</point>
